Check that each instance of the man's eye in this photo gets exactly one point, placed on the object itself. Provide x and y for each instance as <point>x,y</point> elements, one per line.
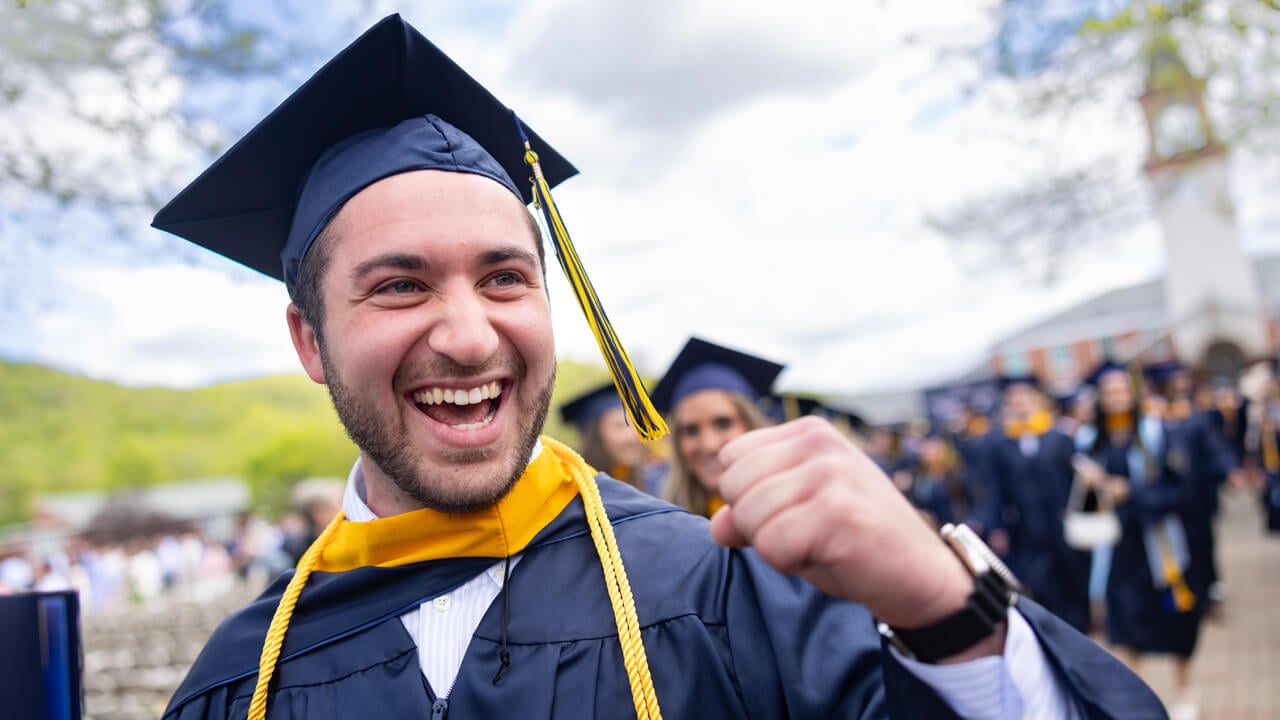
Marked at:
<point>504,279</point>
<point>399,287</point>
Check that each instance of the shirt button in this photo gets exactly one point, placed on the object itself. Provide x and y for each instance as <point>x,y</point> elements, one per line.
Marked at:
<point>498,572</point>
<point>441,603</point>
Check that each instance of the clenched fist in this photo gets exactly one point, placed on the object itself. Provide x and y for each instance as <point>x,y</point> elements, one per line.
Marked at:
<point>812,504</point>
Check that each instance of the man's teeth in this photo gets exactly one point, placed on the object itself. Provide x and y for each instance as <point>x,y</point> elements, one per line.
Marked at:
<point>435,396</point>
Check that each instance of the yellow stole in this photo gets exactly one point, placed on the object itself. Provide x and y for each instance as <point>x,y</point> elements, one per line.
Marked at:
<point>714,503</point>
<point>544,489</point>
<point>1118,423</point>
<point>1038,424</point>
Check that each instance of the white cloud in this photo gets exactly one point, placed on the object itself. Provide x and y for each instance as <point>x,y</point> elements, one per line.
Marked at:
<point>173,325</point>
<point>761,178</point>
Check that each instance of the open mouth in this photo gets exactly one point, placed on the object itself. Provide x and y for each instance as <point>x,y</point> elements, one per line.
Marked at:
<point>460,408</point>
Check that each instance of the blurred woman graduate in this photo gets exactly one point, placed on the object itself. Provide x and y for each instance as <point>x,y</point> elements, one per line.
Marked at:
<point>940,486</point>
<point>608,442</point>
<point>1030,462</point>
<point>1130,460</point>
<point>710,395</point>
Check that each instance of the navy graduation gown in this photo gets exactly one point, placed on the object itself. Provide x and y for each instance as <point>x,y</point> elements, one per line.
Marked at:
<point>1138,613</point>
<point>1034,491</point>
<point>1207,460</point>
<point>726,637</point>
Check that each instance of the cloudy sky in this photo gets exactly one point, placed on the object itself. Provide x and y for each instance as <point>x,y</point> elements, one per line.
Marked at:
<point>760,178</point>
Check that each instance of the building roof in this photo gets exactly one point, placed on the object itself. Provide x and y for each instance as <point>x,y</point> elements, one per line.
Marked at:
<point>1122,310</point>
<point>189,500</point>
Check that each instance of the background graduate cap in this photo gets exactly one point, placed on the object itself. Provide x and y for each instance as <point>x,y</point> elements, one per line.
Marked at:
<point>390,102</point>
<point>587,408</point>
<point>702,365</point>
<point>781,408</point>
<point>1004,382</point>
<point>1108,365</point>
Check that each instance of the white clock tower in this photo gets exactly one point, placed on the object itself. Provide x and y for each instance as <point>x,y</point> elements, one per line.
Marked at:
<point>1216,314</point>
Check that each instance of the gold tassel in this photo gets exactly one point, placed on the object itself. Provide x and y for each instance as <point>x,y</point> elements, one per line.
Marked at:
<point>644,417</point>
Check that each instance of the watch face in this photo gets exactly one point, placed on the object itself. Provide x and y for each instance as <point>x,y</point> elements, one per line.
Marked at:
<point>1179,129</point>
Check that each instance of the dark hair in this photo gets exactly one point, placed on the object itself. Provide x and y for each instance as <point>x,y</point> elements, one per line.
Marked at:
<point>307,292</point>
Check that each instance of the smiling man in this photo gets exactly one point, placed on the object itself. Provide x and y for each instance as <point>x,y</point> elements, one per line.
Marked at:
<point>480,571</point>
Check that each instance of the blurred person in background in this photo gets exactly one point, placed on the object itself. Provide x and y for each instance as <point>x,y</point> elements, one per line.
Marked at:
<point>1151,608</point>
<point>608,442</point>
<point>1030,463</point>
<point>1261,438</point>
<point>1208,463</point>
<point>710,396</point>
<point>16,572</point>
<point>939,487</point>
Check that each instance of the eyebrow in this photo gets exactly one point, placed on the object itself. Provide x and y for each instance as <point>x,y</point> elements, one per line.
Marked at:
<point>399,261</point>
<point>506,254</point>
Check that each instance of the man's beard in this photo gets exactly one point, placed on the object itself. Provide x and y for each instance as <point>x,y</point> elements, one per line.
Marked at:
<point>385,442</point>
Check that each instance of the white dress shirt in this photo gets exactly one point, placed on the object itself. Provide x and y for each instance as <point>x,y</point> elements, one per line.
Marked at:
<point>1013,686</point>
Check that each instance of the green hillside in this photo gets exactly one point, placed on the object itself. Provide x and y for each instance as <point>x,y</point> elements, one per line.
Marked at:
<point>61,432</point>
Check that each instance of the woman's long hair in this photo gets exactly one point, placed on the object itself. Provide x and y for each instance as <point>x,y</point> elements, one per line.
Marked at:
<point>681,487</point>
<point>1103,437</point>
<point>598,456</point>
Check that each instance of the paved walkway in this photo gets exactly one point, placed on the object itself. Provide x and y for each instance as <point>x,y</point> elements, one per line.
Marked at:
<point>1237,664</point>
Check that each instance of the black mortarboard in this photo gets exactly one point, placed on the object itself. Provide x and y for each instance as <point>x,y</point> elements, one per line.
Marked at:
<point>1107,366</point>
<point>391,102</point>
<point>40,655</point>
<point>1007,381</point>
<point>589,406</point>
<point>372,111</point>
<point>1160,374</point>
<point>781,408</point>
<point>706,366</point>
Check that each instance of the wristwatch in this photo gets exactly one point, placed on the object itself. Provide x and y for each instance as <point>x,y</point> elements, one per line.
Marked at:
<point>995,591</point>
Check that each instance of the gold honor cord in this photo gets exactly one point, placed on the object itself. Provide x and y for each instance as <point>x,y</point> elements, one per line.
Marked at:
<point>634,657</point>
<point>644,417</point>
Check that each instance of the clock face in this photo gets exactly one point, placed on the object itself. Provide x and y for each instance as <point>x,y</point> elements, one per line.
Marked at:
<point>1179,129</point>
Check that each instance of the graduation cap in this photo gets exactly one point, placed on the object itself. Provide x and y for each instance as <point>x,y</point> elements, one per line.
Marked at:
<point>588,407</point>
<point>391,102</point>
<point>702,365</point>
<point>1105,367</point>
<point>40,655</point>
<point>1004,382</point>
<point>781,408</point>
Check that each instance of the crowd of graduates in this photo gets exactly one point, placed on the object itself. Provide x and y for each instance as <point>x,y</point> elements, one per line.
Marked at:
<point>1102,502</point>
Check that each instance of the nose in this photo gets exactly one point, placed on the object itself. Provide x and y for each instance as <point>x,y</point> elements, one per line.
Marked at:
<point>711,441</point>
<point>464,332</point>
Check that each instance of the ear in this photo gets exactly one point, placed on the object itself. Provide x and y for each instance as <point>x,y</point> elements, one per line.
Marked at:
<point>305,343</point>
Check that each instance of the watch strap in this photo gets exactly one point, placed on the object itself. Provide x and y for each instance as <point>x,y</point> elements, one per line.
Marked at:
<point>985,609</point>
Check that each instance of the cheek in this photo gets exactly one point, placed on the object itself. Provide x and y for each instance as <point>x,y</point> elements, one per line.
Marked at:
<point>528,326</point>
<point>373,346</point>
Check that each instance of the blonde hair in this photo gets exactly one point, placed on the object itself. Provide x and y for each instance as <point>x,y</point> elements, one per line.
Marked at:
<point>681,487</point>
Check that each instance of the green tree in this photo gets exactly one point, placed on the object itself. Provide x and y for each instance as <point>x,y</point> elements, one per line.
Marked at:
<point>311,449</point>
<point>131,464</point>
